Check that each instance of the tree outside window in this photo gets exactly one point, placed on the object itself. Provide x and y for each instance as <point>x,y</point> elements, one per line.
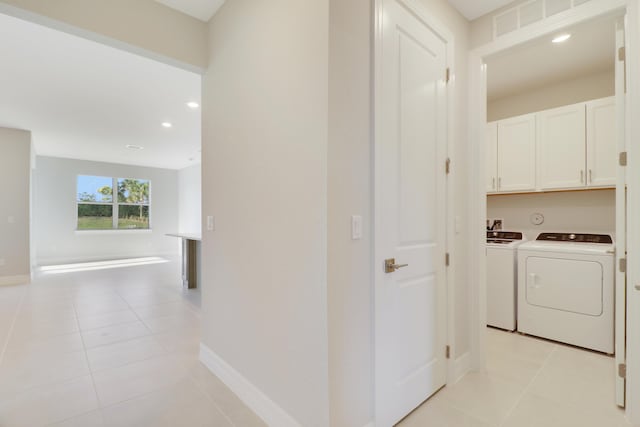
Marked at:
<point>106,203</point>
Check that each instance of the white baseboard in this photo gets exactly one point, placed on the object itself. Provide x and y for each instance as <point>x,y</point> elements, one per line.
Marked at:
<point>15,280</point>
<point>462,366</point>
<point>254,398</point>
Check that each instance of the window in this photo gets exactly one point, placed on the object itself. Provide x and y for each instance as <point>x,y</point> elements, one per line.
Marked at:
<point>106,203</point>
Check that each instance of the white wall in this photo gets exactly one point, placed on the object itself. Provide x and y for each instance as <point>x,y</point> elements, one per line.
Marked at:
<point>598,85</point>
<point>589,211</point>
<point>15,174</point>
<point>190,200</point>
<point>55,214</point>
<point>264,179</point>
<point>349,193</point>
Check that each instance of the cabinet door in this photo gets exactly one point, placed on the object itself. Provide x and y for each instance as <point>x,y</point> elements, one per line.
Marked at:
<point>517,153</point>
<point>492,157</point>
<point>601,142</point>
<point>562,147</point>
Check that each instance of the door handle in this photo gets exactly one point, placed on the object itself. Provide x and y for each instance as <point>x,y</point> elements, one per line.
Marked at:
<point>390,265</point>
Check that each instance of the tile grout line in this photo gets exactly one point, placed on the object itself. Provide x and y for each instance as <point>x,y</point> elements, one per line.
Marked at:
<point>135,313</point>
<point>13,325</point>
<point>190,376</point>
<point>524,392</point>
<point>86,356</point>
<point>215,403</point>
<point>152,335</point>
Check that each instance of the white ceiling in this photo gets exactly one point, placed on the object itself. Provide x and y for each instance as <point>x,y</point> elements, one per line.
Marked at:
<point>200,9</point>
<point>472,9</point>
<point>591,49</point>
<point>85,100</point>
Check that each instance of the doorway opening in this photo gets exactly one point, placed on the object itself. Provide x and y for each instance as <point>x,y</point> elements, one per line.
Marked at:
<point>555,118</point>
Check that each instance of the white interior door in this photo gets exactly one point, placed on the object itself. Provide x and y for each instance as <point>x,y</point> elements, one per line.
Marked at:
<point>621,223</point>
<point>410,213</point>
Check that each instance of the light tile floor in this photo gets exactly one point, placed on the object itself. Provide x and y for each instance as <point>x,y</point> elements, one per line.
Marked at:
<point>108,348</point>
<point>113,348</point>
<point>529,382</point>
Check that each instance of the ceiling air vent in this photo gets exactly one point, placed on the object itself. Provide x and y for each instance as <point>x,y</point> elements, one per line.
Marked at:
<point>557,6</point>
<point>528,13</point>
<point>506,22</point>
<point>531,12</point>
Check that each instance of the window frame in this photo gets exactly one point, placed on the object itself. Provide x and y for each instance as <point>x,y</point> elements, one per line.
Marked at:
<point>115,211</point>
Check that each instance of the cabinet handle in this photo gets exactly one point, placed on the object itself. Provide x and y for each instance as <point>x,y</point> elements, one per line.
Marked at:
<point>581,177</point>
<point>590,176</point>
<point>494,183</point>
<point>499,183</point>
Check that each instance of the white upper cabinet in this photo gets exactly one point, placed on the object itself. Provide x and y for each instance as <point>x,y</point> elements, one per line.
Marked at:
<point>561,148</point>
<point>566,148</point>
<point>517,153</point>
<point>492,157</point>
<point>602,152</point>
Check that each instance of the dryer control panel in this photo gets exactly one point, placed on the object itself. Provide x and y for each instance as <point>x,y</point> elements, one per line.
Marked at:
<point>576,237</point>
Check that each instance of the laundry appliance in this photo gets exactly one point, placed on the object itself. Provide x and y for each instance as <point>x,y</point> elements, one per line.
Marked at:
<point>566,289</point>
<point>502,278</point>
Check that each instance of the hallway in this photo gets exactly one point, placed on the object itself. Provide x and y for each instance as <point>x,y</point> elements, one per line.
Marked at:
<point>108,347</point>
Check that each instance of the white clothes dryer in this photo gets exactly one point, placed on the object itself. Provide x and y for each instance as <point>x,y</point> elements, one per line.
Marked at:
<point>502,278</point>
<point>566,289</point>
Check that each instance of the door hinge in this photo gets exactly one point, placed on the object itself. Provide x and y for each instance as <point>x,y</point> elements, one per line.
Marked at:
<point>448,166</point>
<point>623,158</point>
<point>622,370</point>
<point>447,75</point>
<point>623,265</point>
<point>622,53</point>
<point>447,352</point>
<point>447,259</point>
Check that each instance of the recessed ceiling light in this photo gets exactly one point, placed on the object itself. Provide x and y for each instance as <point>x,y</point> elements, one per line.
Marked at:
<point>166,124</point>
<point>193,105</point>
<point>134,147</point>
<point>561,38</point>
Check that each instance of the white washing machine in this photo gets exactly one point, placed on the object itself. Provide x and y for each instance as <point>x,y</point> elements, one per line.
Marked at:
<point>501,278</point>
<point>566,289</point>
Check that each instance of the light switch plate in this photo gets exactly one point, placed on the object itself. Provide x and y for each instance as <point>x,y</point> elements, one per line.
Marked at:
<point>211,223</point>
<point>356,227</point>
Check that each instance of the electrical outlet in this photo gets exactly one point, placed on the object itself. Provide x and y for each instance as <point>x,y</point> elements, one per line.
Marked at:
<point>211,223</point>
